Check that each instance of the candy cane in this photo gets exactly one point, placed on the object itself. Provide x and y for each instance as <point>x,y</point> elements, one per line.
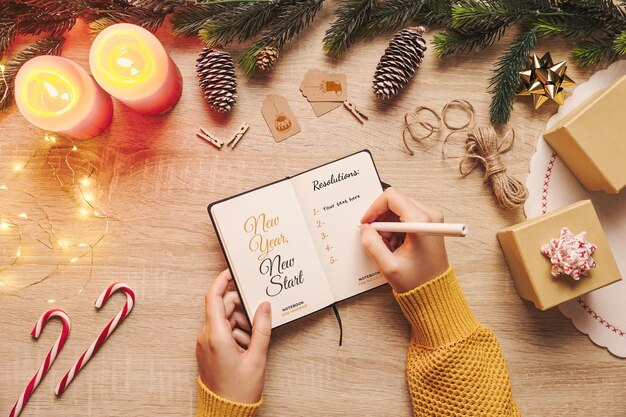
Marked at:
<point>45,366</point>
<point>97,344</point>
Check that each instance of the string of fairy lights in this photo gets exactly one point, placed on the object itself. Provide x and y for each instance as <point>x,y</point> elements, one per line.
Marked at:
<point>58,153</point>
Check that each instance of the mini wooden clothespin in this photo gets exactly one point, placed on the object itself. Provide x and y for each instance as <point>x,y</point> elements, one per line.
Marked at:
<point>356,112</point>
<point>209,137</point>
<point>238,135</point>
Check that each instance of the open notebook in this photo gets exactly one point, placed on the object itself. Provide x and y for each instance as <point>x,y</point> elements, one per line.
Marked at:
<point>295,242</point>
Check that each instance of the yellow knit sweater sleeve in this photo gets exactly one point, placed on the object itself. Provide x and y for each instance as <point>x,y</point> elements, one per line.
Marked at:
<point>212,405</point>
<point>454,364</point>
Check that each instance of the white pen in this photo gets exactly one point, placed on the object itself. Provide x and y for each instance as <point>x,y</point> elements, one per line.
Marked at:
<point>441,229</point>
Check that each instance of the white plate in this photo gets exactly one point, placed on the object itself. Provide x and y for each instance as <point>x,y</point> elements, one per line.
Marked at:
<point>601,314</point>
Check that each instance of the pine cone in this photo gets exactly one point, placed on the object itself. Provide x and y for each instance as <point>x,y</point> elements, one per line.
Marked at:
<point>399,62</point>
<point>267,57</point>
<point>216,71</point>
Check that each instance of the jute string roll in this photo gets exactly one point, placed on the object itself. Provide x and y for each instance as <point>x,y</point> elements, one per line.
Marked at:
<point>484,148</point>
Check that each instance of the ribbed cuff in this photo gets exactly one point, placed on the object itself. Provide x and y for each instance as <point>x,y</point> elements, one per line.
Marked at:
<point>212,405</point>
<point>437,311</point>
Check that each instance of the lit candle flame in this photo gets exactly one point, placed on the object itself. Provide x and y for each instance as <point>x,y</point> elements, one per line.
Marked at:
<point>127,63</point>
<point>51,90</point>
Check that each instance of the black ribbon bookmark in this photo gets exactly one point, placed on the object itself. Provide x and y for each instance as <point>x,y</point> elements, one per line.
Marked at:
<point>338,317</point>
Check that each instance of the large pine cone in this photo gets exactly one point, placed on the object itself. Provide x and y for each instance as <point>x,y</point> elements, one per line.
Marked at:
<point>216,71</point>
<point>266,58</point>
<point>399,62</point>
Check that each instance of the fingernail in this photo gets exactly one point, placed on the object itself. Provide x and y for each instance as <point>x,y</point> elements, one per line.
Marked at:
<point>265,307</point>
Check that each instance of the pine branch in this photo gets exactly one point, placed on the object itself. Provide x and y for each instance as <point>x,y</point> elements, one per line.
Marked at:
<point>594,51</point>
<point>483,15</point>
<point>242,22</point>
<point>8,32</point>
<point>145,18</point>
<point>351,16</point>
<point>188,20</point>
<point>573,27</point>
<point>291,21</point>
<point>452,41</point>
<point>505,82</point>
<point>392,15</point>
<point>48,46</point>
<point>619,44</point>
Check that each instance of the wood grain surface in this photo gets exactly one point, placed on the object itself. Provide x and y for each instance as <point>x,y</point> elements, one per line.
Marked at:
<point>154,178</point>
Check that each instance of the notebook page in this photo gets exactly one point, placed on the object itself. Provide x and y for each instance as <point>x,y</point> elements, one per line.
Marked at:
<point>333,198</point>
<point>271,254</point>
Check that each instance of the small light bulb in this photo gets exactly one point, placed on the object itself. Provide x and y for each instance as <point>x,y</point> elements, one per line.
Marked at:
<point>73,260</point>
<point>74,148</point>
<point>84,212</point>
<point>18,167</point>
<point>82,245</point>
<point>87,197</point>
<point>3,187</point>
<point>4,226</point>
<point>2,284</point>
<point>51,301</point>
<point>84,181</point>
<point>2,67</point>
<point>23,215</point>
<point>19,252</point>
<point>62,244</point>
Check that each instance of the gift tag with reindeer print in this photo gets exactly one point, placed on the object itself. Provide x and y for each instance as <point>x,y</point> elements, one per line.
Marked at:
<point>279,117</point>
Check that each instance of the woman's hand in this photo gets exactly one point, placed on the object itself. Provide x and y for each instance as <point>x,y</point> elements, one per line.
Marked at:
<point>232,363</point>
<point>409,263</point>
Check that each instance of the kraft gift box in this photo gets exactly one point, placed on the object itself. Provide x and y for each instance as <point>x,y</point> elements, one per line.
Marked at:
<point>530,269</point>
<point>590,140</point>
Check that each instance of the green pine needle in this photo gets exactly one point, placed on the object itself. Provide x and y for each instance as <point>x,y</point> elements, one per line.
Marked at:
<point>594,51</point>
<point>619,44</point>
<point>392,15</point>
<point>241,23</point>
<point>47,46</point>
<point>292,19</point>
<point>189,19</point>
<point>344,31</point>
<point>505,82</point>
<point>452,41</point>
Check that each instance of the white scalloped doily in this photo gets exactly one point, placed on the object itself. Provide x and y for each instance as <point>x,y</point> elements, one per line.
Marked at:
<point>601,314</point>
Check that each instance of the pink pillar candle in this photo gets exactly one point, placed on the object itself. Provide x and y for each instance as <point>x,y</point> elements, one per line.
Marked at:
<point>130,63</point>
<point>57,95</point>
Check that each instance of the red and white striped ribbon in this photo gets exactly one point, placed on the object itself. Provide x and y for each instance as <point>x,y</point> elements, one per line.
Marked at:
<point>95,346</point>
<point>52,354</point>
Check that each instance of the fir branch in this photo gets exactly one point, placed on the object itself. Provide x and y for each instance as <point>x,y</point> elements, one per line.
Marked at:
<point>47,46</point>
<point>188,20</point>
<point>619,44</point>
<point>8,32</point>
<point>452,41</point>
<point>574,27</point>
<point>351,15</point>
<point>145,18</point>
<point>291,21</point>
<point>392,15</point>
<point>242,22</point>
<point>594,51</point>
<point>482,15</point>
<point>505,82</point>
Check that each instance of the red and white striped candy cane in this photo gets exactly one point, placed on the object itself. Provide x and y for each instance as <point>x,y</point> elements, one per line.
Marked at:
<point>45,366</point>
<point>95,346</point>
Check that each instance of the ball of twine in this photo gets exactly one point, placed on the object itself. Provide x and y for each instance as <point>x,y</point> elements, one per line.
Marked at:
<point>484,148</point>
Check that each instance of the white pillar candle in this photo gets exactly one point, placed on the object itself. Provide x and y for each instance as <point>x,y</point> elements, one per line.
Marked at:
<point>130,63</point>
<point>58,95</point>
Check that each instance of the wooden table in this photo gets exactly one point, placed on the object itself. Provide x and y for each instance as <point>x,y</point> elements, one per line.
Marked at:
<point>154,178</point>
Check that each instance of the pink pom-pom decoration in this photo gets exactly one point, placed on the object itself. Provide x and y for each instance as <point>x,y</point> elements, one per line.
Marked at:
<point>570,254</point>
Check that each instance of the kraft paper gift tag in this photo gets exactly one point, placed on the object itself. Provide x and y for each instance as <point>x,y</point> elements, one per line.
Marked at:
<point>320,108</point>
<point>279,117</point>
<point>323,86</point>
